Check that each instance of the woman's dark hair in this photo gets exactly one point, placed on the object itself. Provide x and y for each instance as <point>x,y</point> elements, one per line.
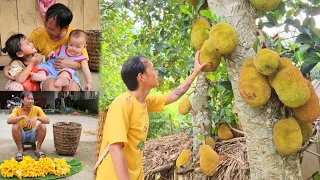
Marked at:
<point>61,13</point>
<point>130,70</point>
<point>25,94</point>
<point>13,46</point>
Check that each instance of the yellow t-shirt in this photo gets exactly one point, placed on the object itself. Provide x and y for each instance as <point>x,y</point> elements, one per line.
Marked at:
<point>35,111</point>
<point>127,121</point>
<point>42,42</point>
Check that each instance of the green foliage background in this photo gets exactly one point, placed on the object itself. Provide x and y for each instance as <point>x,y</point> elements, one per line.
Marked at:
<point>160,30</point>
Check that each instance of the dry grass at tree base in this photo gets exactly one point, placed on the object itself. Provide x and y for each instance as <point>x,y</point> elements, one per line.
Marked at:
<point>161,154</point>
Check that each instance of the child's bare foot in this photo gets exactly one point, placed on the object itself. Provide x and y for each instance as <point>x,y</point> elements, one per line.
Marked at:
<point>38,76</point>
<point>62,81</point>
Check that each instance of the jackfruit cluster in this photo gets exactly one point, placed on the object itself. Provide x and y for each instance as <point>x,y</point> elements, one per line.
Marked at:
<point>264,5</point>
<point>254,87</point>
<point>287,136</point>
<point>184,106</point>
<point>209,160</point>
<point>222,39</point>
<point>183,158</point>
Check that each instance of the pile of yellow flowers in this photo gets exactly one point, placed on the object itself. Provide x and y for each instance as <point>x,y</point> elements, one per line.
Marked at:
<point>30,168</point>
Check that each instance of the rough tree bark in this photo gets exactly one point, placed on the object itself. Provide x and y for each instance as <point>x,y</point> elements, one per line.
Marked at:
<point>201,115</point>
<point>265,162</point>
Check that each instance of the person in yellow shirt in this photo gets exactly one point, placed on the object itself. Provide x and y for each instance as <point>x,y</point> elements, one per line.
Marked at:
<point>24,124</point>
<point>127,122</point>
<point>51,36</point>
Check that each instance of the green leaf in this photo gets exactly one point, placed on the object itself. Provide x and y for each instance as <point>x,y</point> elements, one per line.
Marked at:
<point>159,47</point>
<point>211,77</point>
<point>303,48</point>
<point>206,13</point>
<point>297,23</point>
<point>298,55</point>
<point>312,60</point>
<point>200,3</point>
<point>185,10</point>
<point>190,133</point>
<point>316,175</point>
<point>141,145</point>
<point>307,67</point>
<point>304,38</point>
<point>226,84</point>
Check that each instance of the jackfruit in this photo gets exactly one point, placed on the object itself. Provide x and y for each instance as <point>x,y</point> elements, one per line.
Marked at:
<point>209,160</point>
<point>224,132</point>
<point>254,87</point>
<point>266,61</point>
<point>287,136</point>
<point>225,38</point>
<point>183,158</point>
<point>210,56</point>
<point>309,111</point>
<point>283,63</point>
<point>306,130</point>
<point>209,141</point>
<point>291,88</point>
<point>264,5</point>
<point>199,33</point>
<point>184,106</point>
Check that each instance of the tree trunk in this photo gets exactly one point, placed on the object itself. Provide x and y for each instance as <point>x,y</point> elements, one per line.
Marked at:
<point>201,115</point>
<point>265,162</point>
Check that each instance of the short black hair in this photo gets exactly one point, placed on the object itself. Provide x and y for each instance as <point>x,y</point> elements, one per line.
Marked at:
<point>130,70</point>
<point>77,33</point>
<point>61,13</point>
<point>25,94</point>
<point>13,46</point>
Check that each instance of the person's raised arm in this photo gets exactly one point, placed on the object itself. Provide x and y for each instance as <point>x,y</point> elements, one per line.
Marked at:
<point>119,161</point>
<point>185,85</point>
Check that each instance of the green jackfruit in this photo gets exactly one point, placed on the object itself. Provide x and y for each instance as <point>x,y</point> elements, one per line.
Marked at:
<point>199,33</point>
<point>309,111</point>
<point>287,136</point>
<point>254,87</point>
<point>291,87</point>
<point>183,158</point>
<point>225,38</point>
<point>210,56</point>
<point>184,106</point>
<point>306,130</point>
<point>209,160</point>
<point>264,5</point>
<point>283,63</point>
<point>266,61</point>
<point>225,132</point>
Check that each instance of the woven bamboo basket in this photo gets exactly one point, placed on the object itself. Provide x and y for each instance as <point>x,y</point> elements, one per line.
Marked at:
<point>66,136</point>
<point>94,49</point>
<point>101,122</point>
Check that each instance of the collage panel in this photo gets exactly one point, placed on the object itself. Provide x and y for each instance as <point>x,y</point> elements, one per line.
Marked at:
<point>65,125</point>
<point>49,81</point>
<point>242,80</point>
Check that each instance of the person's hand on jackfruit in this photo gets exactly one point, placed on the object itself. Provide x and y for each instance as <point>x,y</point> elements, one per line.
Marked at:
<point>197,66</point>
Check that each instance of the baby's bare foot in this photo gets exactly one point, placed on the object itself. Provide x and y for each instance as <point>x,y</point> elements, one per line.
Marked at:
<point>62,81</point>
<point>38,77</point>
